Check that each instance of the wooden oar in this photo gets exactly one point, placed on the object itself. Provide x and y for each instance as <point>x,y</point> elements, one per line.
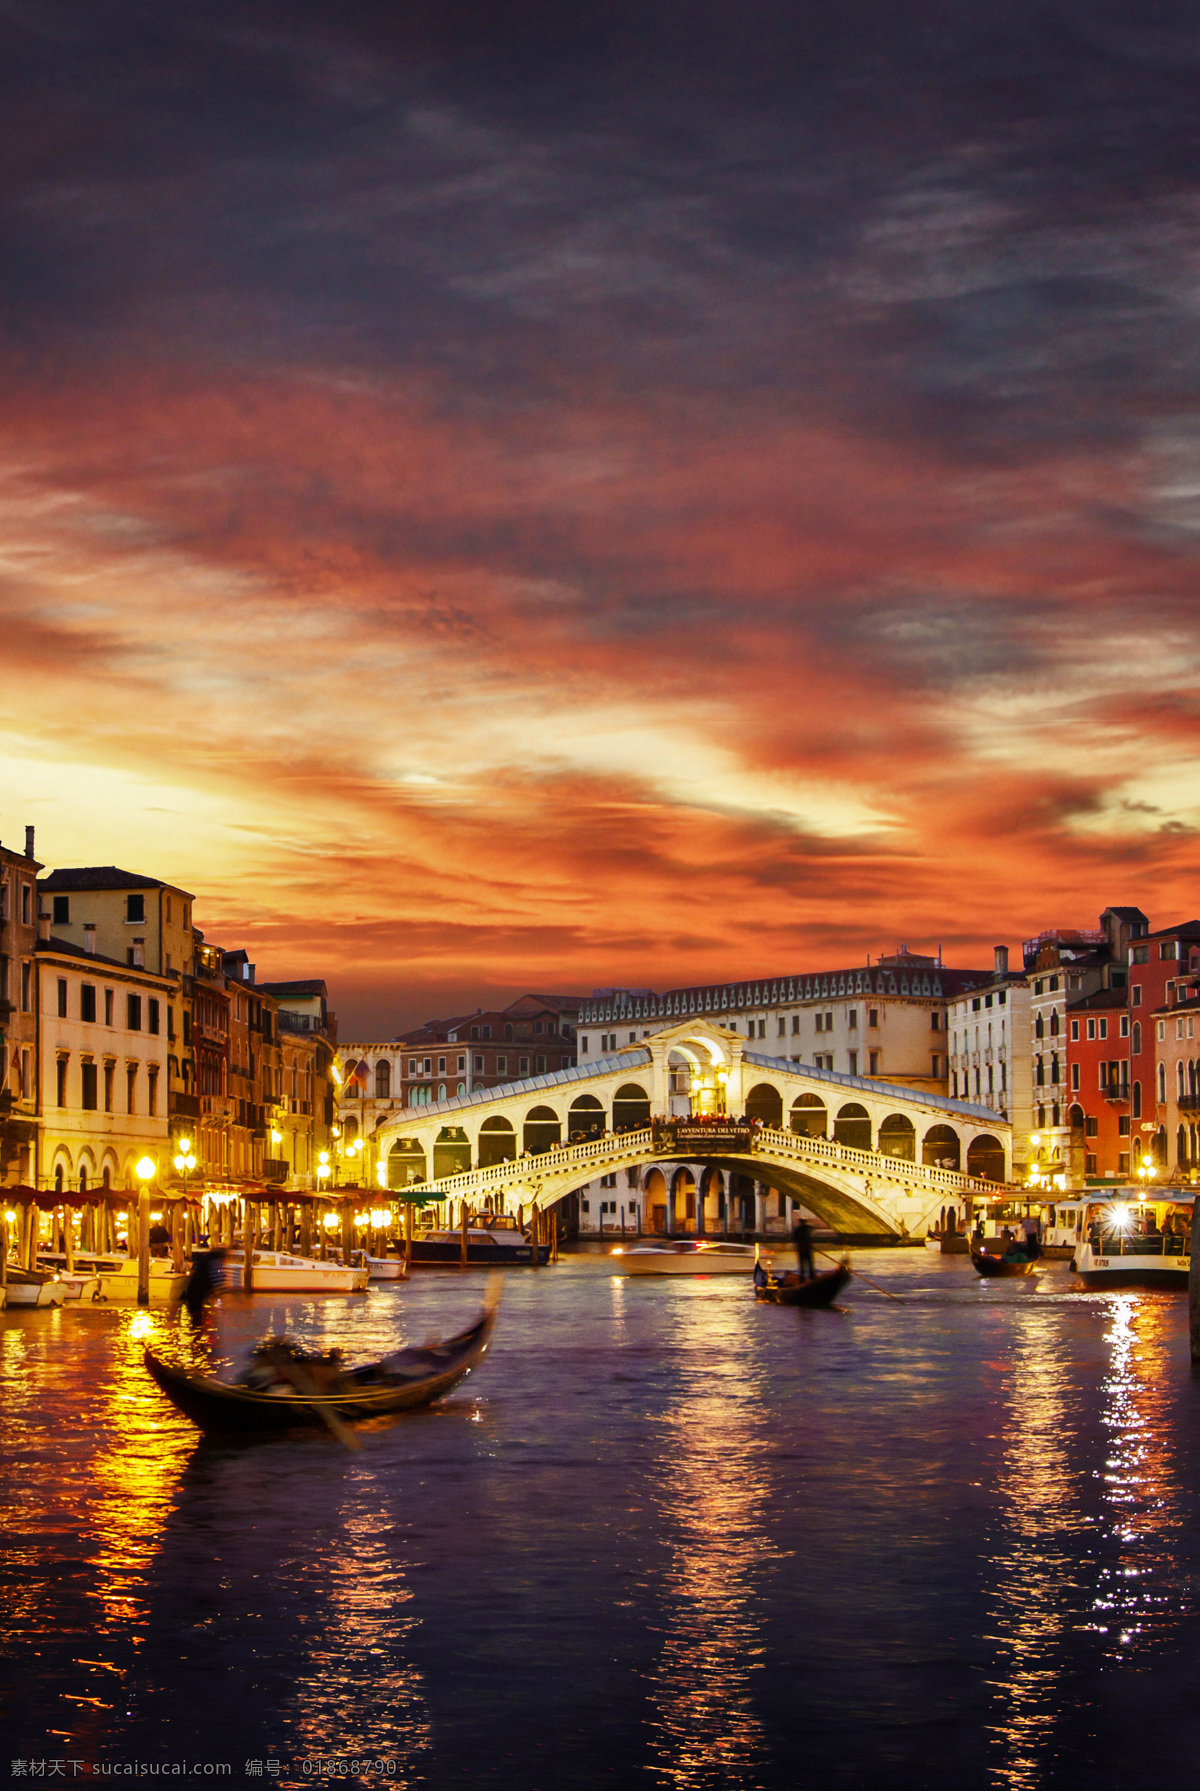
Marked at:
<point>305,1384</point>
<point>874,1285</point>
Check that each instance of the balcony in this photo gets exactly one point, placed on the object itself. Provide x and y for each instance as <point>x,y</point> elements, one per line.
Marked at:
<point>216,1106</point>
<point>1188,1103</point>
<point>274,1169</point>
<point>186,1105</point>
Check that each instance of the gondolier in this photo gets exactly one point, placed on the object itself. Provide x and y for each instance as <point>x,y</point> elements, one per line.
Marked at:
<point>802,1238</point>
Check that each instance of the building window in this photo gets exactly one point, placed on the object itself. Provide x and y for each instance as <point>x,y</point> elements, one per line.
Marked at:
<point>1162,1081</point>
<point>1075,1030</point>
<point>383,1080</point>
<point>873,1060</point>
<point>108,1087</point>
<point>25,987</point>
<point>583,1044</point>
<point>62,911</point>
<point>61,1079</point>
<point>479,1065</point>
<point>1075,1078</point>
<point>852,1017</point>
<point>88,1085</point>
<point>441,1066</point>
<point>524,1066</point>
<point>133,1013</point>
<point>540,1066</point>
<point>108,1007</point>
<point>135,907</point>
<point>131,1088</point>
<point>872,1016</point>
<point>1089,1164</point>
<point>1162,1031</point>
<point>935,1065</point>
<point>152,1088</point>
<point>1135,995</point>
<point>1137,1100</point>
<point>87,1001</point>
<point>1136,1046</point>
<point>26,906</point>
<point>152,1014</point>
<point>462,1063</point>
<point>852,1059</point>
<point>1124,1028</point>
<point>795,1022</point>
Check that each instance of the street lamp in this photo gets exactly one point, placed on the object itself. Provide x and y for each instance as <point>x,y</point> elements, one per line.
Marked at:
<point>184,1162</point>
<point>146,1169</point>
<point>323,1169</point>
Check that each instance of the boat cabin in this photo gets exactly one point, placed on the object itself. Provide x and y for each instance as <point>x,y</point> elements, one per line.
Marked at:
<point>1163,1219</point>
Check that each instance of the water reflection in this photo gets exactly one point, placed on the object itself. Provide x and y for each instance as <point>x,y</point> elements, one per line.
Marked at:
<point>1032,1576</point>
<point>711,1487</point>
<point>360,1693</point>
<point>1139,1591</point>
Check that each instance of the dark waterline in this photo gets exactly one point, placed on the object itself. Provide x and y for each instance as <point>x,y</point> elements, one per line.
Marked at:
<point>665,1536</point>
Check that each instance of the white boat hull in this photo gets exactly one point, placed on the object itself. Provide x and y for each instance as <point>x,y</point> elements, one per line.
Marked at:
<point>385,1268</point>
<point>715,1259</point>
<point>275,1272</point>
<point>120,1281</point>
<point>29,1293</point>
<point>1103,1267</point>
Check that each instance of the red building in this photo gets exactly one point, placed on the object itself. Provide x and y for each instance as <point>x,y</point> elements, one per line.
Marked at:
<point>1159,966</point>
<point>1097,1068</point>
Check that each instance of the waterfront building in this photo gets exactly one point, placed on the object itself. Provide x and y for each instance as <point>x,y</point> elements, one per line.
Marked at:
<point>1098,1091</point>
<point>101,1067</point>
<point>1066,965</point>
<point>532,1036</point>
<point>145,923</point>
<point>886,1019</point>
<point>988,1034</point>
<point>301,1113</point>
<point>1163,968</point>
<point>18,1013</point>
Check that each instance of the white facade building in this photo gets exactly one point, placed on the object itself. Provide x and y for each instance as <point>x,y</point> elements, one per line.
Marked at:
<point>990,1063</point>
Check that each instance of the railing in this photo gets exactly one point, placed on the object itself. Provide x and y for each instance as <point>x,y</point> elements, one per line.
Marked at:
<point>660,1140</point>
<point>1134,1244</point>
<point>1188,1103</point>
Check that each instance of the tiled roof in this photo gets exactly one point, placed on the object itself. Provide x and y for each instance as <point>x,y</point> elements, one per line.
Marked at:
<point>102,876</point>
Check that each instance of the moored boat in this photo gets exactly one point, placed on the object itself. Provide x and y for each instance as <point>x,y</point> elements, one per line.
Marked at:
<point>381,1268</point>
<point>816,1290</point>
<point>306,1392</point>
<point>34,1287</point>
<point>493,1244</point>
<point>118,1279</point>
<point>687,1256</point>
<point>277,1272</point>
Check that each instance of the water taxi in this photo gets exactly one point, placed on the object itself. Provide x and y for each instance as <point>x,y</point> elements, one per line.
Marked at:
<point>688,1256</point>
<point>1127,1238</point>
<point>33,1287</point>
<point>118,1279</point>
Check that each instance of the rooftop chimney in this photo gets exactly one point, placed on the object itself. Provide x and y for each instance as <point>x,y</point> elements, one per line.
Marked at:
<point>89,938</point>
<point>29,842</point>
<point>1001,952</point>
<point>43,926</point>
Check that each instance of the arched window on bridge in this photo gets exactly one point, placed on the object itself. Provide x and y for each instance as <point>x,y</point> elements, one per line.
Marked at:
<point>631,1108</point>
<point>406,1163</point>
<point>451,1152</point>
<point>852,1127</point>
<point>585,1119</point>
<point>985,1158</point>
<point>940,1148</point>
<point>383,1080</point>
<point>497,1142</point>
<point>898,1138</point>
<point>809,1116</point>
<point>765,1104</point>
<point>542,1130</point>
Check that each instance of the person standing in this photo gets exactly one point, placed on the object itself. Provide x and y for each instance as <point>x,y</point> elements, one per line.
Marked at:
<point>802,1238</point>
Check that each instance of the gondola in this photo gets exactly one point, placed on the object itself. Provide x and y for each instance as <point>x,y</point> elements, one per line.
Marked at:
<point>992,1267</point>
<point>818,1290</point>
<point>320,1391</point>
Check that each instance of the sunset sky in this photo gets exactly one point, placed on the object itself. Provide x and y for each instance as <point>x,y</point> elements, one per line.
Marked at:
<point>513,496</point>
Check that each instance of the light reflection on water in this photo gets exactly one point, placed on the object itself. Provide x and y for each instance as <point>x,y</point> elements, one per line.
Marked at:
<point>584,1571</point>
<point>1032,1577</point>
<point>711,1486</point>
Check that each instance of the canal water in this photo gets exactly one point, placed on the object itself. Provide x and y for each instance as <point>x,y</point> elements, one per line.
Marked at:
<point>663,1537</point>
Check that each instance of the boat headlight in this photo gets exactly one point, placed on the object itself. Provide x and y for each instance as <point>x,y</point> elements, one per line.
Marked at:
<point>618,1251</point>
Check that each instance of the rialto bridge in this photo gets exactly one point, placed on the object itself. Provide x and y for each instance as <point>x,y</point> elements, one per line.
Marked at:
<point>865,1156</point>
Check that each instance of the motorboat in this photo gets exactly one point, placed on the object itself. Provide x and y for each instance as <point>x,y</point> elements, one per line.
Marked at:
<point>1130,1239</point>
<point>79,1281</point>
<point>118,1278</point>
<point>33,1287</point>
<point>286,1388</point>
<point>491,1243</point>
<point>814,1290</point>
<point>688,1256</point>
<point>275,1271</point>
<point>381,1268</point>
